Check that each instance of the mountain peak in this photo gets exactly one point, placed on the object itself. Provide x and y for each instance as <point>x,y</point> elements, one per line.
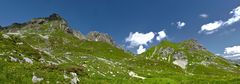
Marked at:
<point>193,44</point>
<point>55,16</point>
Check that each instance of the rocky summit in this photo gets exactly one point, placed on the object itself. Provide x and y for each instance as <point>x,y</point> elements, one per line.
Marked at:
<point>48,51</point>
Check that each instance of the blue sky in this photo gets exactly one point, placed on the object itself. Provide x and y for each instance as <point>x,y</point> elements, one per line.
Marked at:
<point>120,17</point>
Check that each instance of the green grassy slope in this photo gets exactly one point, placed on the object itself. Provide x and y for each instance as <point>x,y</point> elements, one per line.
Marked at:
<point>45,52</point>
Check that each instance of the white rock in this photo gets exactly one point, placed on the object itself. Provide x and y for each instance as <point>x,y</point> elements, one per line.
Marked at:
<point>13,59</point>
<point>65,76</point>
<point>52,63</point>
<point>42,60</point>
<point>35,79</point>
<point>68,53</point>
<point>28,60</point>
<point>5,36</point>
<point>75,79</point>
<point>181,63</point>
<point>132,74</point>
<point>20,43</point>
<point>14,33</point>
<point>44,37</point>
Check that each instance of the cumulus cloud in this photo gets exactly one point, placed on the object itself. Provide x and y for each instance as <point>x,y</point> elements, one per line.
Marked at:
<point>211,27</point>
<point>232,52</point>
<point>214,26</point>
<point>236,16</point>
<point>180,24</point>
<point>139,40</point>
<point>141,49</point>
<point>136,39</point>
<point>203,15</point>
<point>161,35</point>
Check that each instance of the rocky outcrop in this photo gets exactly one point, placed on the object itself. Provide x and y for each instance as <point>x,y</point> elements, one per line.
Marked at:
<point>97,36</point>
<point>54,16</point>
<point>165,52</point>
<point>77,34</point>
<point>193,45</point>
<point>55,21</point>
<point>180,59</point>
<point>169,54</point>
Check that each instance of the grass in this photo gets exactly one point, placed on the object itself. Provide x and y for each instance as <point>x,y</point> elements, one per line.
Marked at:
<point>102,63</point>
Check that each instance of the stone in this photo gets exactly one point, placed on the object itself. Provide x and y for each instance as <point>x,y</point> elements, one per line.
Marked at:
<point>193,45</point>
<point>102,37</point>
<point>77,34</point>
<point>180,59</point>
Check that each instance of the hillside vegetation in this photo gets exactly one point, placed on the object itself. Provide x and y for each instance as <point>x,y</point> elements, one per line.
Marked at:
<point>46,50</point>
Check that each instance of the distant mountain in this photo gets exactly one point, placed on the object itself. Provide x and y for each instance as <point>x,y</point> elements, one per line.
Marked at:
<point>47,50</point>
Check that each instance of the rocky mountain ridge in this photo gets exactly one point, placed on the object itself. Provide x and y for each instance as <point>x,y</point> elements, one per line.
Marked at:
<point>58,22</point>
<point>46,50</point>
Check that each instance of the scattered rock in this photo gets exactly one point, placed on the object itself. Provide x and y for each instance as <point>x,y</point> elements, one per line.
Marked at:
<point>35,79</point>
<point>28,60</point>
<point>5,36</point>
<point>13,59</point>
<point>179,56</point>
<point>44,36</point>
<point>75,79</point>
<point>132,74</point>
<point>164,52</point>
<point>19,43</point>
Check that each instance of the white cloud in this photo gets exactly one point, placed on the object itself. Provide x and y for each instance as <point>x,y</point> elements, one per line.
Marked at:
<point>203,15</point>
<point>137,38</point>
<point>212,27</point>
<point>141,49</point>
<point>232,50</point>
<point>236,16</point>
<point>180,24</point>
<point>161,35</point>
<point>232,56</point>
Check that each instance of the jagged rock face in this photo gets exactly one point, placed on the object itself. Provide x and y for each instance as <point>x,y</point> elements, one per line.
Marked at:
<point>77,34</point>
<point>54,20</point>
<point>97,36</point>
<point>57,22</point>
<point>58,54</point>
<point>180,59</point>
<point>167,51</point>
<point>193,44</point>
<point>54,16</point>
<point>179,55</point>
